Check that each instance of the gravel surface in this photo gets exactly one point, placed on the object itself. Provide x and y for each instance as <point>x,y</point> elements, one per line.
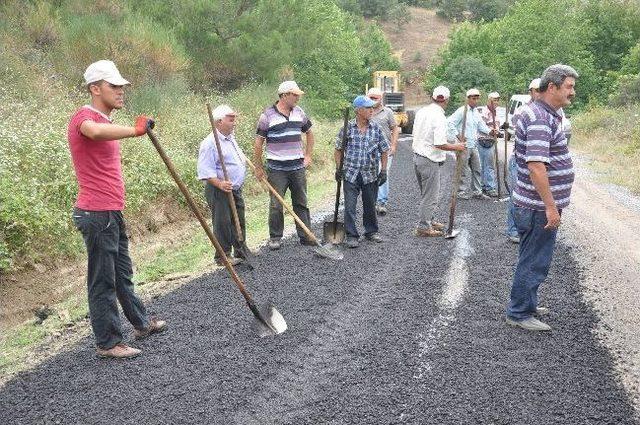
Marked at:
<point>408,331</point>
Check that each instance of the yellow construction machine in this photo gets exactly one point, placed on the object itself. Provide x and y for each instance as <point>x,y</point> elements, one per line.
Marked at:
<point>389,83</point>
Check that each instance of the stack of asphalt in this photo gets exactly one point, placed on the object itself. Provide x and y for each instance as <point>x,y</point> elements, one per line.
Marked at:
<point>368,342</point>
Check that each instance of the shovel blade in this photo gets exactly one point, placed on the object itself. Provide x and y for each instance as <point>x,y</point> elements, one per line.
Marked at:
<point>452,235</point>
<point>333,232</point>
<point>270,322</point>
<point>328,251</point>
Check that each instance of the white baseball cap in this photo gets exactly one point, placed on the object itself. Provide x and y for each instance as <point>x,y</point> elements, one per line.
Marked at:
<point>104,70</point>
<point>534,84</point>
<point>222,111</point>
<point>493,95</point>
<point>473,92</point>
<point>374,91</point>
<point>289,87</point>
<point>440,93</point>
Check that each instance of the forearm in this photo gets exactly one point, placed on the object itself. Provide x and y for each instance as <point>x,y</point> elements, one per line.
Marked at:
<point>337,155</point>
<point>540,180</point>
<point>310,141</point>
<point>257,151</point>
<point>394,138</point>
<point>383,160</point>
<point>102,131</point>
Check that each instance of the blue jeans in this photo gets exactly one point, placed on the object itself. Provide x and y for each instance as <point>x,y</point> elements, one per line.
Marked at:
<point>369,194</point>
<point>383,191</point>
<point>488,169</point>
<point>512,230</point>
<point>536,251</point>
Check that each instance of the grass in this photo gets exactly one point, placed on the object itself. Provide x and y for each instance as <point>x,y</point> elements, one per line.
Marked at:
<point>610,137</point>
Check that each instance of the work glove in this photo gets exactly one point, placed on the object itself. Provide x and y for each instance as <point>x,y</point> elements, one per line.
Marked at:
<point>382,177</point>
<point>143,123</point>
<point>339,174</point>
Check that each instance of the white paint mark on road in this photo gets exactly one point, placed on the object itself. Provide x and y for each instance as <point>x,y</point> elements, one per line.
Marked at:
<point>456,282</point>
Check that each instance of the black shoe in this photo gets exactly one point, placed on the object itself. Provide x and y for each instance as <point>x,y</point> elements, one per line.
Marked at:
<point>307,242</point>
<point>374,237</point>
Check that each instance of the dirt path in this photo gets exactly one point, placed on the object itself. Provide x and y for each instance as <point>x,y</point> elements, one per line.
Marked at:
<point>408,331</point>
<point>416,45</point>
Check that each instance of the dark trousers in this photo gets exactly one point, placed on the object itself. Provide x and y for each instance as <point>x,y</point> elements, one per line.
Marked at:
<point>222,218</point>
<point>534,260</point>
<point>109,274</point>
<point>369,195</point>
<point>296,182</point>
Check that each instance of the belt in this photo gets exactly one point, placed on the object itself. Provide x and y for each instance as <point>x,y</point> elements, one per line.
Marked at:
<point>429,159</point>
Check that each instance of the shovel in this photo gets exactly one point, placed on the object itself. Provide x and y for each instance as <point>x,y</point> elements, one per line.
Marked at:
<point>333,231</point>
<point>268,321</point>
<point>322,251</point>
<point>242,247</point>
<point>456,181</point>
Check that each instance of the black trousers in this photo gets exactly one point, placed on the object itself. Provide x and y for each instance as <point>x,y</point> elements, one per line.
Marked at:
<point>222,219</point>
<point>109,274</point>
<point>296,182</point>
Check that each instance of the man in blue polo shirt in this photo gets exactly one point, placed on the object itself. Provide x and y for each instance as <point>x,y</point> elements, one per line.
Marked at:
<point>281,127</point>
<point>366,153</point>
<point>542,191</point>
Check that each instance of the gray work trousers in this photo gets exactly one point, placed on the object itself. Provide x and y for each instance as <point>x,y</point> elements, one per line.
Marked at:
<point>222,219</point>
<point>428,175</point>
<point>471,173</point>
<point>296,182</point>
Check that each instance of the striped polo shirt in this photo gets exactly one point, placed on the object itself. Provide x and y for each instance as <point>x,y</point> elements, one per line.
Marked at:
<point>284,137</point>
<point>540,138</point>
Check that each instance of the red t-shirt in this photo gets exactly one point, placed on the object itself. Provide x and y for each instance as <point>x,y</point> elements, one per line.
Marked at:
<point>97,165</point>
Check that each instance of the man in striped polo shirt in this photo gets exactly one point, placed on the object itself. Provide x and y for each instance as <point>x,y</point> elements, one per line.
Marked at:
<point>281,126</point>
<point>543,187</point>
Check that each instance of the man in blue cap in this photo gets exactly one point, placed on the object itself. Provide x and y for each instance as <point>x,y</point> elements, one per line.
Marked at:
<point>366,153</point>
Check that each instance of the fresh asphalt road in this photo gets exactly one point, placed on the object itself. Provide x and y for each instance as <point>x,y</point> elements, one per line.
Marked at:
<point>408,331</point>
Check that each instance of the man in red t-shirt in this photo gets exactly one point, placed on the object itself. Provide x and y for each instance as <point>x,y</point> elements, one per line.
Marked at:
<point>95,150</point>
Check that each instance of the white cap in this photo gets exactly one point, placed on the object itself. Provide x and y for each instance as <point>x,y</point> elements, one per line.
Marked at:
<point>440,93</point>
<point>104,70</point>
<point>493,95</point>
<point>222,111</point>
<point>534,84</point>
<point>289,87</point>
<point>374,91</point>
<point>473,92</point>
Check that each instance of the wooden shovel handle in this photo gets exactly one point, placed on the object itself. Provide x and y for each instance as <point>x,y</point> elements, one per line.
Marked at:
<point>203,223</point>
<point>270,188</point>
<point>456,178</point>
<point>230,197</point>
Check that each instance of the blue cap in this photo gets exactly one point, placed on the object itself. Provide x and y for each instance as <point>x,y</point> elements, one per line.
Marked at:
<point>363,102</point>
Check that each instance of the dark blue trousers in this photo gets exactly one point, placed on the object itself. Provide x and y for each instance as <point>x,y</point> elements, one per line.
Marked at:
<point>369,195</point>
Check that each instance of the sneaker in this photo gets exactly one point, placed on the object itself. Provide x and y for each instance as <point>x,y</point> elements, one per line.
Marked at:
<point>464,196</point>
<point>480,196</point>
<point>428,233</point>
<point>374,237</point>
<point>514,238</point>
<point>541,311</point>
<point>492,193</point>
<point>274,244</point>
<point>234,261</point>
<point>155,326</point>
<point>530,324</point>
<point>118,351</point>
<point>353,242</point>
<point>437,226</point>
<point>381,209</point>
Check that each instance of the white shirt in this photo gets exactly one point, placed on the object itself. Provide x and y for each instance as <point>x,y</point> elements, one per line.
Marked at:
<point>429,131</point>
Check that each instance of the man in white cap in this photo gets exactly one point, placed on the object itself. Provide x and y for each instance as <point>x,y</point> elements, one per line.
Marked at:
<point>485,145</point>
<point>385,118</point>
<point>470,186</point>
<point>217,187</point>
<point>280,127</point>
<point>429,153</point>
<point>95,150</point>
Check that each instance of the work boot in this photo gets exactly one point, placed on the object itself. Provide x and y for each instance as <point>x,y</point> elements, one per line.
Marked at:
<point>465,196</point>
<point>353,242</point>
<point>155,326</point>
<point>480,195</point>
<point>118,351</point>
<point>274,244</point>
<point>234,261</point>
<point>492,193</point>
<point>541,311</point>
<point>381,209</point>
<point>307,242</point>
<point>530,324</point>
<point>428,233</point>
<point>374,237</point>
<point>437,226</point>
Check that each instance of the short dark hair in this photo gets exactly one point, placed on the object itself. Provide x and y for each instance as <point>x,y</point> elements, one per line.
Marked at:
<point>556,74</point>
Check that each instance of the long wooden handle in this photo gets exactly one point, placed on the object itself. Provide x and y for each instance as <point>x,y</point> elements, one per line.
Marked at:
<point>203,223</point>
<point>341,162</point>
<point>270,188</point>
<point>230,197</point>
<point>456,178</point>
